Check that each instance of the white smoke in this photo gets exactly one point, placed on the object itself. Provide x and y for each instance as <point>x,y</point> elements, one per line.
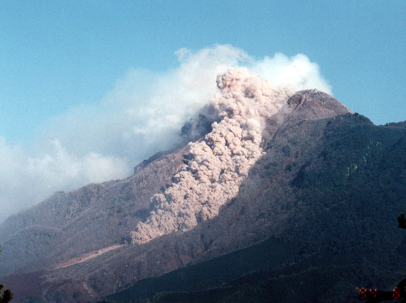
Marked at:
<point>221,161</point>
<point>298,72</point>
<point>141,115</point>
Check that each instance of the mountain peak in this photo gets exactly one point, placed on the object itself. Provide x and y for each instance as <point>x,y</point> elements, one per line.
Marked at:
<point>313,105</point>
<point>222,192</point>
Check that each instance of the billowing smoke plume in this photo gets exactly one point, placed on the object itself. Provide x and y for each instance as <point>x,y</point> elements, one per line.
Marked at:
<point>141,115</point>
<point>219,163</point>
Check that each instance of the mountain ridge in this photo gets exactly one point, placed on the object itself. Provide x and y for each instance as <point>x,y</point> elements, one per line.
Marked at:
<point>273,202</point>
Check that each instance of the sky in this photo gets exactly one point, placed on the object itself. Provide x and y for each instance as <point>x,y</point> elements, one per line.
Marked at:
<point>89,88</point>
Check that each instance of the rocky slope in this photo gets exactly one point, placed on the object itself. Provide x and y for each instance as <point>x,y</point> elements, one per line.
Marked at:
<point>326,199</point>
<point>68,225</point>
<point>76,247</point>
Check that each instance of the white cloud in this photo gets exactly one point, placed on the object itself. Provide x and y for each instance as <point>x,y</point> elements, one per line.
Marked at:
<point>26,180</point>
<point>298,72</point>
<point>141,115</point>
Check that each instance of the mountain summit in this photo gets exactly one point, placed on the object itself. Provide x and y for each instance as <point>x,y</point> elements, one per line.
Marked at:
<point>276,188</point>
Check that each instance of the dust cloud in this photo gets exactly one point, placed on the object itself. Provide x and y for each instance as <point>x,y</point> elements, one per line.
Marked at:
<point>221,161</point>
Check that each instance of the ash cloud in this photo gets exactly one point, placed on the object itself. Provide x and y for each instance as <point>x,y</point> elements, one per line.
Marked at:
<point>221,161</point>
<point>143,114</point>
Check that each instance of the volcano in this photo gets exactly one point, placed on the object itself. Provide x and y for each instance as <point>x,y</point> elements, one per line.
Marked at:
<point>275,196</point>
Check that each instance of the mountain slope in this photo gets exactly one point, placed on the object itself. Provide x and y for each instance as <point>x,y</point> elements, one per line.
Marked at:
<point>342,235</point>
<point>91,218</point>
<point>328,184</point>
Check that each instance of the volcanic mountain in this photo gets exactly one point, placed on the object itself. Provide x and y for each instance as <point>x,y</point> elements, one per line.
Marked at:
<point>275,196</point>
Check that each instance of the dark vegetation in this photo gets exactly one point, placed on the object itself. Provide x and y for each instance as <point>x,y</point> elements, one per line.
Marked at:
<point>398,293</point>
<point>6,295</point>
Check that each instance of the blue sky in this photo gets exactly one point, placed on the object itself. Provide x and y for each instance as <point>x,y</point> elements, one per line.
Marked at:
<point>63,63</point>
